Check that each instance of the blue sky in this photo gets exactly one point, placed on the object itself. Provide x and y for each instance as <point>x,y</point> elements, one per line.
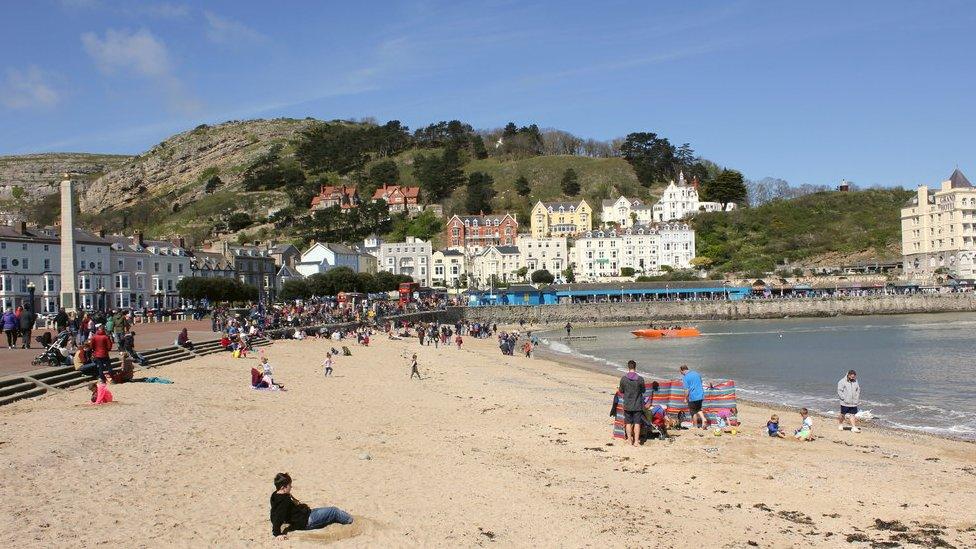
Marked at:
<point>813,92</point>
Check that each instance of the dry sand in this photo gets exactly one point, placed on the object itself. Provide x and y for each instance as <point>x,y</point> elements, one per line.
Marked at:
<point>486,450</point>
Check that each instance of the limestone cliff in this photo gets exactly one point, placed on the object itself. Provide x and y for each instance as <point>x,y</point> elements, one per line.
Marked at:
<point>32,176</point>
<point>180,165</point>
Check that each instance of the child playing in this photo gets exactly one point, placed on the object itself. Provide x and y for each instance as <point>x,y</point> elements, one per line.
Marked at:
<point>458,341</point>
<point>328,364</point>
<point>772,427</point>
<point>805,432</point>
<point>100,393</point>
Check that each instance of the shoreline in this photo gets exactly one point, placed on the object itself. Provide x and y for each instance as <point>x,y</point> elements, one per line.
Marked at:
<point>580,362</point>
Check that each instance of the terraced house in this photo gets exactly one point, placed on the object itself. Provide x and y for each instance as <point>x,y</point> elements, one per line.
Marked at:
<point>561,218</point>
<point>938,230</point>
<point>473,233</point>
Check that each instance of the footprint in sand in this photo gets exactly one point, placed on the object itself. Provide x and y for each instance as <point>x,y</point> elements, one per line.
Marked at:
<point>335,532</point>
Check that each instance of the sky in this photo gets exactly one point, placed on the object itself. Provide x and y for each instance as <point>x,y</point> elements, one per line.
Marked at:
<point>879,93</point>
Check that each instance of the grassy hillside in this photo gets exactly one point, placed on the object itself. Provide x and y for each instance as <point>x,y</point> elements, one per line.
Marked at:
<point>757,239</point>
<point>599,178</point>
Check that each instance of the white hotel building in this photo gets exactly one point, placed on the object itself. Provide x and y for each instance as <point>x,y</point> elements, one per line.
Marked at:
<point>543,254</point>
<point>602,253</point>
<point>938,229</point>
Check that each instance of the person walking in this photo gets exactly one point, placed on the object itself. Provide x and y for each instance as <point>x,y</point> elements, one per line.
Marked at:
<point>27,320</point>
<point>101,344</point>
<point>569,329</point>
<point>692,382</point>
<point>61,320</point>
<point>10,327</point>
<point>328,363</point>
<point>414,370</point>
<point>849,392</point>
<point>632,388</point>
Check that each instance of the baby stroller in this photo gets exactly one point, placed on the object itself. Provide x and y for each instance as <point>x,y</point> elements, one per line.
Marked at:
<point>55,350</point>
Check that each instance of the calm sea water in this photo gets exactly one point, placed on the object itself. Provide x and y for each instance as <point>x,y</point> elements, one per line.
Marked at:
<point>915,371</point>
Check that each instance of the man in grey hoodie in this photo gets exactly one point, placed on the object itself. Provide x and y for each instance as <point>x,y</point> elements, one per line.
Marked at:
<point>849,393</point>
<point>632,399</point>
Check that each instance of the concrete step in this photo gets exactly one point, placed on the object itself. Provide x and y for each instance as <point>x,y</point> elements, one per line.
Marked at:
<point>71,383</point>
<point>19,386</point>
<point>66,376</point>
<point>52,372</point>
<point>11,381</point>
<point>36,391</point>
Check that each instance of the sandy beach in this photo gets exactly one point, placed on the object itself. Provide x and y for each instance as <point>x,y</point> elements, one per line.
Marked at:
<point>486,450</point>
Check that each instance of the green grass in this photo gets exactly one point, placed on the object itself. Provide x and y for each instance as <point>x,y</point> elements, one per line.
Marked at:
<point>758,239</point>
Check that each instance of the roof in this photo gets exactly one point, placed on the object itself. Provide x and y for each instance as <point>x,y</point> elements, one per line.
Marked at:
<point>488,217</point>
<point>452,252</point>
<point>287,271</point>
<point>386,190</point>
<point>521,288</point>
<point>958,180</point>
<point>210,260</point>
<point>674,285</point>
<point>507,249</point>
<point>339,248</point>
<point>282,248</point>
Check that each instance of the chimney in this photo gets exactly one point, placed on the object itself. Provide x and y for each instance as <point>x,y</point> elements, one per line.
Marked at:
<point>21,227</point>
<point>139,239</point>
<point>101,233</point>
<point>181,242</point>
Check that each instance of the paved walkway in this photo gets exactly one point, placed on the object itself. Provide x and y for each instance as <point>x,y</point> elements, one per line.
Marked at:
<point>148,336</point>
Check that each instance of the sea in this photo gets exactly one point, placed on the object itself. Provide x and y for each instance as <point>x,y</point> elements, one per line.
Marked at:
<point>916,372</point>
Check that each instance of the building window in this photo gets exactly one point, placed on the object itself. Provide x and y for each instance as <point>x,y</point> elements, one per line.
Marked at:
<point>156,267</point>
<point>26,263</point>
<point>3,263</point>
<point>139,265</point>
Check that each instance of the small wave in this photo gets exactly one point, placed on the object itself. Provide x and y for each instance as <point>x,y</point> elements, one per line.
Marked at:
<point>560,348</point>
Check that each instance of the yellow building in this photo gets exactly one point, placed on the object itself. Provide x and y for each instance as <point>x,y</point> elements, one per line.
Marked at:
<point>561,219</point>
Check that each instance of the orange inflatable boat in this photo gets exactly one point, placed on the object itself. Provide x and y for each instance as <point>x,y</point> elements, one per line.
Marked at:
<point>678,332</point>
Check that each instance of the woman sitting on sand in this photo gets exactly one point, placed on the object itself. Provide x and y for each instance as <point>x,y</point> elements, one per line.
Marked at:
<point>126,369</point>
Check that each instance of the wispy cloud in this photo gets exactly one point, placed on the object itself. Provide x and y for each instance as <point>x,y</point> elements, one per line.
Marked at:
<point>27,89</point>
<point>80,4</point>
<point>167,10</point>
<point>142,54</point>
<point>229,32</point>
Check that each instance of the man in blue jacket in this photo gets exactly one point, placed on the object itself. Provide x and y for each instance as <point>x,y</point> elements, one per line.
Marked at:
<point>692,382</point>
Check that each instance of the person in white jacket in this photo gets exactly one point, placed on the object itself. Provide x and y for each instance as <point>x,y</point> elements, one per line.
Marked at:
<point>849,393</point>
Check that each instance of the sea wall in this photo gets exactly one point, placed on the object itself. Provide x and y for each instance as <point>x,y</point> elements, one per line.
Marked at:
<point>723,310</point>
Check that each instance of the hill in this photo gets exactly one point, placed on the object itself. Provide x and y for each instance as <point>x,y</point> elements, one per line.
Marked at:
<point>248,180</point>
<point>862,224</point>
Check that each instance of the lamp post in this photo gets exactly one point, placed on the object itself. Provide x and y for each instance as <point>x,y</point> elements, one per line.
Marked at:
<point>101,298</point>
<point>30,295</point>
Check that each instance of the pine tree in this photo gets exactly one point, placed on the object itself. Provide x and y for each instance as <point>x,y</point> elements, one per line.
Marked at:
<point>570,183</point>
<point>522,186</point>
<point>480,192</point>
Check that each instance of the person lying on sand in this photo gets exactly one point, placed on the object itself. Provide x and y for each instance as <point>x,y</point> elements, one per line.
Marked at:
<point>285,509</point>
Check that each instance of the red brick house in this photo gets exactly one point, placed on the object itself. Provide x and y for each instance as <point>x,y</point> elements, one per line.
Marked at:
<point>477,232</point>
<point>400,199</point>
<point>335,195</point>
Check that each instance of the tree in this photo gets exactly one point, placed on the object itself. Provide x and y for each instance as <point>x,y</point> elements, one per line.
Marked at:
<point>478,147</point>
<point>626,271</point>
<point>480,192</point>
<point>652,157</point>
<point>381,173</point>
<point>424,227</point>
<point>543,277</point>
<point>570,182</point>
<point>728,187</point>
<point>438,177</point>
<point>522,186</point>
<point>521,272</point>
<point>701,262</point>
<point>238,221</point>
<point>211,185</point>
<point>344,148</point>
<point>293,289</point>
<point>569,275</point>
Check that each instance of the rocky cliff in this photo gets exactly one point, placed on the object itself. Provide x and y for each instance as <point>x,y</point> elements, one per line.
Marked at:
<point>179,166</point>
<point>32,176</point>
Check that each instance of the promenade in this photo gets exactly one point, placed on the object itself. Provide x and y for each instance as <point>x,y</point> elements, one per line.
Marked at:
<point>148,336</point>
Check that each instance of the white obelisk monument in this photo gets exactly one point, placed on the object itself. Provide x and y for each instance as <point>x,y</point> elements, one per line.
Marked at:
<point>68,274</point>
